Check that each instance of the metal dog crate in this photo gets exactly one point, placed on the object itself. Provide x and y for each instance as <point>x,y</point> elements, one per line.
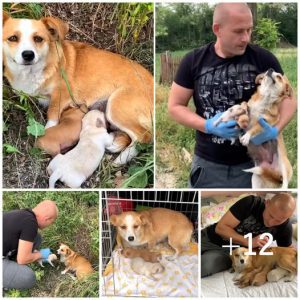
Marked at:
<point>115,202</point>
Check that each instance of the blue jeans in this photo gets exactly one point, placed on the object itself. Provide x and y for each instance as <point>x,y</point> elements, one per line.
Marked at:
<point>207,174</point>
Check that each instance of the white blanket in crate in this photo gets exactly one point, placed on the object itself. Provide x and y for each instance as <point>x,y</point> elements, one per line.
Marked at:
<point>180,278</point>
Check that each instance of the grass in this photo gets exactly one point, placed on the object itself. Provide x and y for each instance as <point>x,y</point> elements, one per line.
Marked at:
<point>99,24</point>
<point>171,137</point>
<point>78,226</point>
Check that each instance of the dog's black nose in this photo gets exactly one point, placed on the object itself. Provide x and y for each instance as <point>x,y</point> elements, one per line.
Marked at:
<point>269,72</point>
<point>130,238</point>
<point>242,261</point>
<point>28,55</point>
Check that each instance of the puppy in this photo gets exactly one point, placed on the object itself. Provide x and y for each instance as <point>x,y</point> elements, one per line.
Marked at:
<point>272,167</point>
<point>64,135</point>
<point>77,165</point>
<point>152,226</point>
<point>52,257</point>
<point>74,262</point>
<point>148,269</point>
<point>34,54</point>
<point>143,253</point>
<point>238,112</point>
<point>254,269</point>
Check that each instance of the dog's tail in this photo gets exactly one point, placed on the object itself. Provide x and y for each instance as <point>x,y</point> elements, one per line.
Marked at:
<point>268,174</point>
<point>53,178</point>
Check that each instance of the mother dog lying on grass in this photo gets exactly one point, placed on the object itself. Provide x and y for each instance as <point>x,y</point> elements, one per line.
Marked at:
<point>39,62</point>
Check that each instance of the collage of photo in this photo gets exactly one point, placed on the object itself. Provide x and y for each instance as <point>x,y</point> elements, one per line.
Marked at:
<point>149,149</point>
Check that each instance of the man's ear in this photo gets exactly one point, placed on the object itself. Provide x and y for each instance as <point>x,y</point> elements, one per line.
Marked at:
<point>57,28</point>
<point>216,29</point>
<point>5,16</point>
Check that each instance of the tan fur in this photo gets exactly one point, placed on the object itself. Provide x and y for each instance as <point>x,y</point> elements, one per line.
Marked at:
<point>256,267</point>
<point>143,253</point>
<point>152,226</point>
<point>265,103</point>
<point>64,135</point>
<point>75,262</point>
<point>93,75</point>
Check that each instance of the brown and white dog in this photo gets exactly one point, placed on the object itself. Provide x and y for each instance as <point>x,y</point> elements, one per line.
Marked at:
<point>254,269</point>
<point>35,53</point>
<point>74,262</point>
<point>272,167</point>
<point>152,226</point>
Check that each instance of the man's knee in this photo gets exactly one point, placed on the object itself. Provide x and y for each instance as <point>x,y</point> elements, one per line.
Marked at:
<point>214,261</point>
<point>18,277</point>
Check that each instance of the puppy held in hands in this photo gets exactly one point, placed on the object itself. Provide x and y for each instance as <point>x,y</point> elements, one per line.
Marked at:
<point>77,165</point>
<point>74,262</point>
<point>52,257</point>
<point>143,253</point>
<point>64,135</point>
<point>239,113</point>
<point>148,269</point>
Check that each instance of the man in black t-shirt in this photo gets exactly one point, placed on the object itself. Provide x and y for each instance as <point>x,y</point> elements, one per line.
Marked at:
<point>21,242</point>
<point>217,76</point>
<point>249,215</point>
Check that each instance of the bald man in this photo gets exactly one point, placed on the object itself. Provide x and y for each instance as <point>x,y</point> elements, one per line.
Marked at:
<point>21,242</point>
<point>218,76</point>
<point>250,214</point>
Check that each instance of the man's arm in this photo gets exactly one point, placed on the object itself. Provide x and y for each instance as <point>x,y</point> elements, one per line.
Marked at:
<point>178,110</point>
<point>286,110</point>
<point>25,254</point>
<point>225,228</point>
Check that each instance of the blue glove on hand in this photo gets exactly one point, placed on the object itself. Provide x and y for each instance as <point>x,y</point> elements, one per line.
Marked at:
<point>45,253</point>
<point>226,130</point>
<point>269,133</point>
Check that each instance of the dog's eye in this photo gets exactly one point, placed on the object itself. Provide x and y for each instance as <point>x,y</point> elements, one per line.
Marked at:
<point>13,38</point>
<point>278,77</point>
<point>123,227</point>
<point>136,226</point>
<point>38,39</point>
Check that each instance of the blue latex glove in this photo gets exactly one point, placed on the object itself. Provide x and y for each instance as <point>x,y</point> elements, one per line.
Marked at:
<point>45,253</point>
<point>269,133</point>
<point>226,130</point>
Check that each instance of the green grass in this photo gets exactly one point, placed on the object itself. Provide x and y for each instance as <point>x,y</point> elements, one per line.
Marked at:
<point>78,226</point>
<point>172,137</point>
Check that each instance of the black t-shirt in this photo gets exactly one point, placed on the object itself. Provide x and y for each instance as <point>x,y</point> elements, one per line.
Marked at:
<point>18,225</point>
<point>218,84</point>
<point>249,211</point>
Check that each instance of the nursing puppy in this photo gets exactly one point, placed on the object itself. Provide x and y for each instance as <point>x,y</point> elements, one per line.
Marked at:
<point>64,135</point>
<point>34,54</point>
<point>143,253</point>
<point>152,226</point>
<point>74,167</point>
<point>74,262</point>
<point>148,269</point>
<point>254,269</point>
<point>272,167</point>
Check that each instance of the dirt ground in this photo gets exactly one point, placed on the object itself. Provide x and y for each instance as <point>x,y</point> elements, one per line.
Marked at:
<point>92,23</point>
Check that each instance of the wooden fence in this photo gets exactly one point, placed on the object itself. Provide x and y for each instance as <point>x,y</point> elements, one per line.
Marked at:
<point>168,67</point>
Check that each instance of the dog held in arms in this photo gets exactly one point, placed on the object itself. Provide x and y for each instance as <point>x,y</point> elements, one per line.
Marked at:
<point>254,269</point>
<point>35,53</point>
<point>272,167</point>
<point>149,227</point>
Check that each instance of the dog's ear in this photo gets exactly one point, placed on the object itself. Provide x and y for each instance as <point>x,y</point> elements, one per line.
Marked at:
<point>99,123</point>
<point>288,88</point>
<point>114,220</point>
<point>144,218</point>
<point>57,28</point>
<point>68,251</point>
<point>5,16</point>
<point>259,78</point>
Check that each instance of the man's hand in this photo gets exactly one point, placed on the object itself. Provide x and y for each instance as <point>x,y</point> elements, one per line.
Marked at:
<point>45,253</point>
<point>226,130</point>
<point>259,243</point>
<point>269,133</point>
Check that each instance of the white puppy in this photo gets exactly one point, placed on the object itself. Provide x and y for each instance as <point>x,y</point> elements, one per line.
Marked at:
<point>148,269</point>
<point>77,165</point>
<point>50,259</point>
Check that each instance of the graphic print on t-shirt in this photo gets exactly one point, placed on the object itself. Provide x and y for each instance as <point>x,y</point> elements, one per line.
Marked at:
<point>251,224</point>
<point>219,88</point>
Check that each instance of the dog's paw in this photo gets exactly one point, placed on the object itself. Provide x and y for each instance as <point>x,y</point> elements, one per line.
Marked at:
<point>51,123</point>
<point>63,272</point>
<point>245,139</point>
